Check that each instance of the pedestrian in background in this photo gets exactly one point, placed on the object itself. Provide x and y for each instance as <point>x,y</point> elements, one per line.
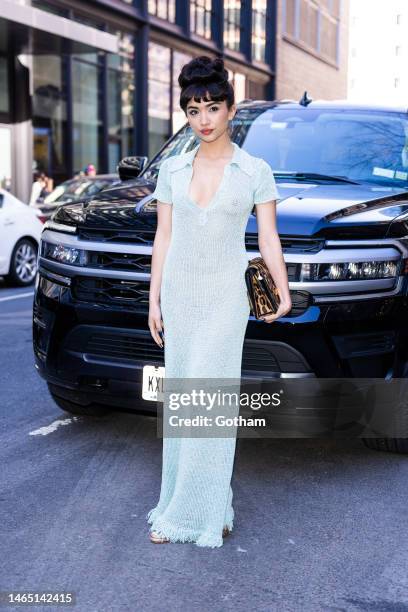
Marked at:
<point>90,170</point>
<point>38,187</point>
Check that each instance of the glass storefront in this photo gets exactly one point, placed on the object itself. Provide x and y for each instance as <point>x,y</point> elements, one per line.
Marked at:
<point>83,100</point>
<point>96,91</point>
<point>159,96</point>
<point>4,98</point>
<point>50,115</point>
<point>87,137</point>
<point>120,101</point>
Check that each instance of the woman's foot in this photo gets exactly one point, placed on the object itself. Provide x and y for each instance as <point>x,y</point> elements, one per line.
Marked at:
<point>158,539</point>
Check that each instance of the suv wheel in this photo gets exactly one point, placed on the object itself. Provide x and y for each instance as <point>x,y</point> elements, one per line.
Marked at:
<point>94,410</point>
<point>400,425</point>
<point>23,264</point>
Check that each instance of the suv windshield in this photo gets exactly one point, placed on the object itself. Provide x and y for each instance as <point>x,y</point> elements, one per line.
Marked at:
<point>367,146</point>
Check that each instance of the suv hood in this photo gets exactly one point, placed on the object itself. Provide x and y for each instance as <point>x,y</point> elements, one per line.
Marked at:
<point>320,210</point>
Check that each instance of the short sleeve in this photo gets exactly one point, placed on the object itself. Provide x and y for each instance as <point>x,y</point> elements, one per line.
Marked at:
<point>162,191</point>
<point>266,189</point>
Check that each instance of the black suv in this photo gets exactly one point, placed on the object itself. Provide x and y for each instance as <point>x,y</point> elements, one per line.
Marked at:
<point>342,174</point>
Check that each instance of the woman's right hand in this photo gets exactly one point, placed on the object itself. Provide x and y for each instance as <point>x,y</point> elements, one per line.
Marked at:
<point>155,322</point>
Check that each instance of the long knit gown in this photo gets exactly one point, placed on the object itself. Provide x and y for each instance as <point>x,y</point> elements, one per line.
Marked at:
<point>205,310</point>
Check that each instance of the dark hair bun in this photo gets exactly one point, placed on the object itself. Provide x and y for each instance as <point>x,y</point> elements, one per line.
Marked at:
<point>203,77</point>
<point>202,70</point>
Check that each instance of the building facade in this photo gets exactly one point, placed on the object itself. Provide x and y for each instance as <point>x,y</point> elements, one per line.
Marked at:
<point>312,49</point>
<point>378,63</point>
<point>94,80</point>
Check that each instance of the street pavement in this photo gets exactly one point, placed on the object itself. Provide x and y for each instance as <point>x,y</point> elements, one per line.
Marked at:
<point>320,525</point>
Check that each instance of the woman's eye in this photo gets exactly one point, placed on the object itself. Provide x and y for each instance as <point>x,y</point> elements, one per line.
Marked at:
<point>193,112</point>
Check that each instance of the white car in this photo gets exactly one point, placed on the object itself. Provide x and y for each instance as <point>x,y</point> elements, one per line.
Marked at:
<point>20,230</point>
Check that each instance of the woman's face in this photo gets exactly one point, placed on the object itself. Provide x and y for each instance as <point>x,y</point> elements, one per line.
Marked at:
<point>209,120</point>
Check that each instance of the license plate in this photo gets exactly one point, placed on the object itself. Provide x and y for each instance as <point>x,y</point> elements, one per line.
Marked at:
<point>153,377</point>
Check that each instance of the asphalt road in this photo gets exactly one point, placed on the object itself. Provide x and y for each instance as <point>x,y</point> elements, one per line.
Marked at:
<point>319,525</point>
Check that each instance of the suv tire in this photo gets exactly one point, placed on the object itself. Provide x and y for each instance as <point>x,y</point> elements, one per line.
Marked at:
<point>400,425</point>
<point>390,445</point>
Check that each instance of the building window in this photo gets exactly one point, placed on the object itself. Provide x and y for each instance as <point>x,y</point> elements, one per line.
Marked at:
<point>399,19</point>
<point>238,81</point>
<point>50,8</point>
<point>396,82</point>
<point>232,18</point>
<point>165,9</point>
<point>290,13</point>
<point>397,50</point>
<point>178,116</point>
<point>200,18</point>
<point>256,91</point>
<point>258,29</point>
<point>309,24</point>
<point>334,8</point>
<point>120,100</point>
<point>314,25</point>
<point>159,96</point>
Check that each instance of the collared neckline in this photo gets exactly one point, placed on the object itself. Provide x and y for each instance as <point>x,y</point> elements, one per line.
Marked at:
<point>239,157</point>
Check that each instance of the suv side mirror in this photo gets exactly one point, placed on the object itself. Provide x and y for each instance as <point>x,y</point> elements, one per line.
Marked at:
<point>130,167</point>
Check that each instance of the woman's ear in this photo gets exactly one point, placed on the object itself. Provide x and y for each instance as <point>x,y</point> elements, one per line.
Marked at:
<point>233,110</point>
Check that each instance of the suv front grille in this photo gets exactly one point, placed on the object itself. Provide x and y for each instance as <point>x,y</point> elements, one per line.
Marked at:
<point>120,261</point>
<point>138,346</point>
<point>141,348</point>
<point>140,236</point>
<point>140,262</point>
<point>132,293</point>
<point>289,245</point>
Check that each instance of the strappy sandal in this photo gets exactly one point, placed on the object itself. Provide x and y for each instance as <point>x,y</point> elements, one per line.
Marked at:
<point>158,539</point>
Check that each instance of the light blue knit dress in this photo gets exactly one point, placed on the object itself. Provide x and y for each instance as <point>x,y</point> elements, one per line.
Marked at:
<point>205,310</point>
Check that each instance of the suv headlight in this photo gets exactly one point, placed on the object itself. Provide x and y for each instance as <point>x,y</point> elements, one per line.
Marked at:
<point>59,227</point>
<point>64,254</point>
<point>355,270</point>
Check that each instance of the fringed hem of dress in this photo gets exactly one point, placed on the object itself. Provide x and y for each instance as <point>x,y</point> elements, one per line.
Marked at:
<point>180,534</point>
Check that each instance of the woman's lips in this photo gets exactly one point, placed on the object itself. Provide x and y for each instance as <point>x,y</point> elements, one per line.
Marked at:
<point>205,132</point>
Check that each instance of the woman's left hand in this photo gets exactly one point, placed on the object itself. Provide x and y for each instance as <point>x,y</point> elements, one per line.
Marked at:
<point>284,307</point>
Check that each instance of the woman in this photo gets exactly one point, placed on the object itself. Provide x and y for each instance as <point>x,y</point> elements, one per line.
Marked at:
<point>198,292</point>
